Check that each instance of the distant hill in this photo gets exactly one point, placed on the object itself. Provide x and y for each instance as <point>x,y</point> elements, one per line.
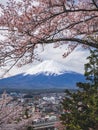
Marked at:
<point>42,81</point>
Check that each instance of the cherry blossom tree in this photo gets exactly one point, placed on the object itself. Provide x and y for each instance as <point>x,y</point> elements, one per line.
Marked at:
<point>12,114</point>
<point>28,23</point>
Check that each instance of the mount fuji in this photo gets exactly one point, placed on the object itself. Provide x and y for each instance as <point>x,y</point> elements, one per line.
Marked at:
<point>46,75</point>
<point>50,69</point>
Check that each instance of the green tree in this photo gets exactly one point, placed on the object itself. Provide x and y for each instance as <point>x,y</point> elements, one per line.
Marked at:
<point>81,107</point>
<point>26,113</point>
<point>29,128</point>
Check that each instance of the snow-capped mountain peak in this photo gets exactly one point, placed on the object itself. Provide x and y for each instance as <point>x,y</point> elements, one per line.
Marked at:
<point>47,67</point>
<point>51,60</point>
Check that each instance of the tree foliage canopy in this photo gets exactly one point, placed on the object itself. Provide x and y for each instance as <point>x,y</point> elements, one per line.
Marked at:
<point>31,22</point>
<point>81,107</point>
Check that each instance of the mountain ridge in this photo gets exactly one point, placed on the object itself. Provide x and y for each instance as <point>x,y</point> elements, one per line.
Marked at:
<point>53,71</point>
<point>43,81</point>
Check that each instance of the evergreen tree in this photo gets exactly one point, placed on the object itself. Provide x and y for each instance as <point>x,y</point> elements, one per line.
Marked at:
<point>81,107</point>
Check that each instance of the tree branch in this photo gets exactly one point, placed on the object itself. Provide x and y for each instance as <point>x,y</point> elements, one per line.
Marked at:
<point>85,42</point>
<point>95,3</point>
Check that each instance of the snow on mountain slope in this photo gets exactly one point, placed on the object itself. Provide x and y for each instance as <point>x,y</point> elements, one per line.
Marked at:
<point>73,62</point>
<point>47,67</point>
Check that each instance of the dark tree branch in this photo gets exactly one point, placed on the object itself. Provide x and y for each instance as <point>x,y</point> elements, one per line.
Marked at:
<point>95,3</point>
<point>85,42</point>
